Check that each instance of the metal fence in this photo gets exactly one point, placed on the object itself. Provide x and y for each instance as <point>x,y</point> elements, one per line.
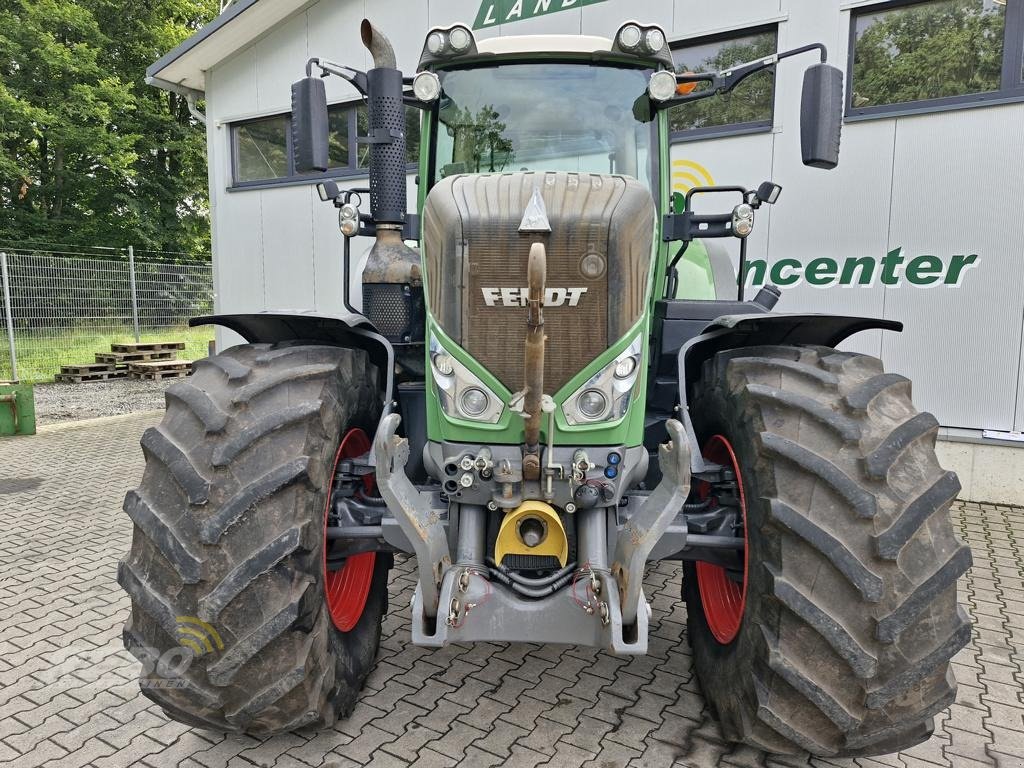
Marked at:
<point>61,307</point>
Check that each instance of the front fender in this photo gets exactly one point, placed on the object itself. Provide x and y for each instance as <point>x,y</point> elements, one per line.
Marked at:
<point>735,331</point>
<point>347,330</point>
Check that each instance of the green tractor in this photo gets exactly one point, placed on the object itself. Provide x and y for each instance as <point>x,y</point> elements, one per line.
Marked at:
<point>550,395</point>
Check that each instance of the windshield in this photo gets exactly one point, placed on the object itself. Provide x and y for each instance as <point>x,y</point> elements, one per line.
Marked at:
<point>545,117</point>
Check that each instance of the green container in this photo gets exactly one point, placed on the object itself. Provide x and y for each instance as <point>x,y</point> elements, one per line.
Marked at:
<point>17,409</point>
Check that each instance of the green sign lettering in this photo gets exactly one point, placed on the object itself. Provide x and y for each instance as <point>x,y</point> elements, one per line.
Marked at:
<point>495,12</point>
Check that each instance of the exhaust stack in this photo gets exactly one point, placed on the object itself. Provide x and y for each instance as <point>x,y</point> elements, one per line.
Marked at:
<point>378,45</point>
<point>392,276</point>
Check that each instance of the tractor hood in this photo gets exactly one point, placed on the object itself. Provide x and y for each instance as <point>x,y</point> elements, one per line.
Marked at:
<point>599,251</point>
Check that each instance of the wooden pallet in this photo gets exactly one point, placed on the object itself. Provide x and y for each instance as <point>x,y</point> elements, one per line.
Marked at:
<point>160,369</point>
<point>153,346</point>
<point>88,368</point>
<point>134,357</point>
<point>81,378</point>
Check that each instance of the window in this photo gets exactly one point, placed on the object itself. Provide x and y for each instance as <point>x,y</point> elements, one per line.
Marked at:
<point>262,147</point>
<point>544,117</point>
<point>939,53</point>
<point>749,107</point>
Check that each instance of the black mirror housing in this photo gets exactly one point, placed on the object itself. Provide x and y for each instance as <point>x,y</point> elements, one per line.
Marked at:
<point>821,116</point>
<point>309,125</point>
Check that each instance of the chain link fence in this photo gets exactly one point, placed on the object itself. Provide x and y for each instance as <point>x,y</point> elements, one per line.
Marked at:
<point>62,306</point>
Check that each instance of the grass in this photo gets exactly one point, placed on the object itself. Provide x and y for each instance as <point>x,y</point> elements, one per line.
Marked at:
<point>41,356</point>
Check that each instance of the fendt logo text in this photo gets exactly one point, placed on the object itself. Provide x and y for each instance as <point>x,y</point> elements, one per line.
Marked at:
<point>517,297</point>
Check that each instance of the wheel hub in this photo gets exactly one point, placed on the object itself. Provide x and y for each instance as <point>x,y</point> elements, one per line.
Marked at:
<point>724,598</point>
<point>346,589</point>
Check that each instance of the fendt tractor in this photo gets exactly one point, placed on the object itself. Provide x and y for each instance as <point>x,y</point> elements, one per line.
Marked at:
<point>563,385</point>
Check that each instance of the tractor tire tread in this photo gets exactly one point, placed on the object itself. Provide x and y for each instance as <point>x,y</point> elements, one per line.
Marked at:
<point>846,650</point>
<point>229,536</point>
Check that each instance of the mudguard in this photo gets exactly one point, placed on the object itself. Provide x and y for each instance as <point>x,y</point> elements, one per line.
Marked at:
<point>735,331</point>
<point>347,330</point>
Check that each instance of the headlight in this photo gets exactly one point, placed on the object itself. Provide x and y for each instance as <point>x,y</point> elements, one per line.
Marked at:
<point>348,220</point>
<point>443,363</point>
<point>426,86</point>
<point>591,404</point>
<point>742,220</point>
<point>606,396</point>
<point>462,394</point>
<point>625,368</point>
<point>662,85</point>
<point>473,401</point>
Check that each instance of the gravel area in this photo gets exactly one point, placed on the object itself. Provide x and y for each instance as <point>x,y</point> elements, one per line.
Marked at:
<point>90,400</point>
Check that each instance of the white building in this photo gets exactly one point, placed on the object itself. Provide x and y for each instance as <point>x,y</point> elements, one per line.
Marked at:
<point>931,164</point>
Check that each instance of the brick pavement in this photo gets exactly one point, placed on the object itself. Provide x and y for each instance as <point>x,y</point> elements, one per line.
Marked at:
<point>68,695</point>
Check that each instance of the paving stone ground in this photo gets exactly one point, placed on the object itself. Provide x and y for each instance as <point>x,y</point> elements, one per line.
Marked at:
<point>68,695</point>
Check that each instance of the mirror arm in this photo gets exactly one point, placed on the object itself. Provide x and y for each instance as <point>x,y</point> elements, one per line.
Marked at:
<point>356,77</point>
<point>728,79</point>
<point>410,100</point>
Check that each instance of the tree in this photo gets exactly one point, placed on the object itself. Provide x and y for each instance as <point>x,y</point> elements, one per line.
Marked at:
<point>751,101</point>
<point>928,51</point>
<point>480,141</point>
<point>91,155</point>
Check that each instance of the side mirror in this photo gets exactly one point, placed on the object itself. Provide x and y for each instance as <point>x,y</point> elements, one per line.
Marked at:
<point>821,116</point>
<point>309,125</point>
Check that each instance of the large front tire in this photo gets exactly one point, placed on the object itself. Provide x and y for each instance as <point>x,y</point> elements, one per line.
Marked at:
<point>226,569</point>
<point>850,616</point>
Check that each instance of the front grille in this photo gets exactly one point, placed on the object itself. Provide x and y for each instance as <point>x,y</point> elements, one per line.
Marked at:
<point>496,335</point>
<point>472,243</point>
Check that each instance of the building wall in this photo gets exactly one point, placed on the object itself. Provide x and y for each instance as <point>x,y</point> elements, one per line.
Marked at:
<point>938,184</point>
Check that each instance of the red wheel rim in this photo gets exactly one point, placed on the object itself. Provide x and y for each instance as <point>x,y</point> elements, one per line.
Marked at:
<point>346,589</point>
<point>722,598</point>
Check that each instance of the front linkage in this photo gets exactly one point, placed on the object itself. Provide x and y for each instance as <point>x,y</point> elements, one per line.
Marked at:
<point>455,601</point>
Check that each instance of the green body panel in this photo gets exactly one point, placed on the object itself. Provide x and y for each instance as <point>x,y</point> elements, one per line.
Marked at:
<point>17,409</point>
<point>696,280</point>
<point>627,431</point>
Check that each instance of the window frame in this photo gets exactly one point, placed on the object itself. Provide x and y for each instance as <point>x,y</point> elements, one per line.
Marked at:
<point>1012,65</point>
<point>730,129</point>
<point>291,179</point>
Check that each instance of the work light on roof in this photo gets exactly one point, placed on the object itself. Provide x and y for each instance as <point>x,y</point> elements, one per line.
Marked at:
<point>654,40</point>
<point>640,39</point>
<point>630,37</point>
<point>455,41</point>
<point>435,43</point>
<point>459,38</point>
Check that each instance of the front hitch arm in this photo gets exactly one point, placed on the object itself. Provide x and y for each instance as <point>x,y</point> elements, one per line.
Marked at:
<point>419,522</point>
<point>642,531</point>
